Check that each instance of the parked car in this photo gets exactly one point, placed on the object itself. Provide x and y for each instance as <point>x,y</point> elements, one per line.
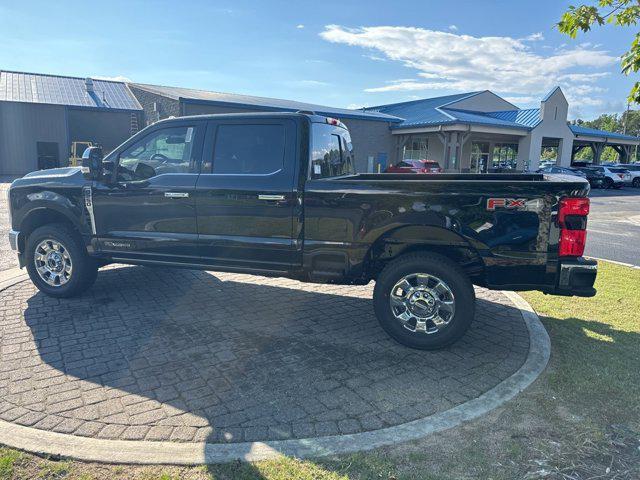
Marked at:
<point>634,173</point>
<point>595,178</point>
<point>547,163</point>
<point>562,171</point>
<point>415,166</point>
<point>581,163</point>
<point>277,194</point>
<point>615,177</point>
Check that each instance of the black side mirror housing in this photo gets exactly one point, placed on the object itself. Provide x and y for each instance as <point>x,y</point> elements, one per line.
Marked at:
<point>92,163</point>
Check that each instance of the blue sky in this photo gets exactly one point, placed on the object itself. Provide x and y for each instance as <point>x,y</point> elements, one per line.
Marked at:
<point>338,53</point>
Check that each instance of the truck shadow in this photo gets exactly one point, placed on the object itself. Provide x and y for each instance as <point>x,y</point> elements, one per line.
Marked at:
<point>225,359</point>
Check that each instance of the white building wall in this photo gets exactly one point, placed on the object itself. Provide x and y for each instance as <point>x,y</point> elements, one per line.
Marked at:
<point>553,111</point>
<point>436,149</point>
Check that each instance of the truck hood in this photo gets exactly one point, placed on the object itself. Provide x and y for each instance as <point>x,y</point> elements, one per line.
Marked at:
<point>67,176</point>
<point>54,173</point>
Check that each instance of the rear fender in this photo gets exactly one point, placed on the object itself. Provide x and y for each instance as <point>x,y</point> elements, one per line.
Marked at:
<point>425,238</point>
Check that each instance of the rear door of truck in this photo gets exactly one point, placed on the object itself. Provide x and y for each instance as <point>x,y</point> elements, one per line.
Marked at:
<point>244,195</point>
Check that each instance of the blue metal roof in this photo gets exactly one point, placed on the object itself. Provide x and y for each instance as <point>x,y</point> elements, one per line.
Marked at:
<point>593,132</point>
<point>438,111</point>
<point>59,90</point>
<point>275,104</point>
<point>422,112</point>
<point>528,117</point>
<point>481,118</point>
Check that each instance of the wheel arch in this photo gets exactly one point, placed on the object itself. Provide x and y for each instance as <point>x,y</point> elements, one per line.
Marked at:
<point>424,238</point>
<point>43,215</point>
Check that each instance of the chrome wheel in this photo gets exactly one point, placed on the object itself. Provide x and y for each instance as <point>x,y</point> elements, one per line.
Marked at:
<point>422,303</point>
<point>53,262</point>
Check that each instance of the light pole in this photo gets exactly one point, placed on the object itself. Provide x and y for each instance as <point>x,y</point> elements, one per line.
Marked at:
<point>626,119</point>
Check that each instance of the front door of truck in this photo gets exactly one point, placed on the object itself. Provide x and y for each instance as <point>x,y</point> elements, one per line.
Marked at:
<point>245,197</point>
<point>147,209</point>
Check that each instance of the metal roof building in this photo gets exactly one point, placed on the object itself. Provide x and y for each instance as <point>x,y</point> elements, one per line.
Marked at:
<point>42,115</point>
<point>480,132</point>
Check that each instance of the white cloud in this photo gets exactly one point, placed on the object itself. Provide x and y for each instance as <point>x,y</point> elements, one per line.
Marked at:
<point>456,62</point>
<point>375,57</point>
<point>453,28</point>
<point>534,37</point>
<point>307,83</point>
<point>524,100</point>
<point>300,26</point>
<point>117,78</point>
<point>584,77</point>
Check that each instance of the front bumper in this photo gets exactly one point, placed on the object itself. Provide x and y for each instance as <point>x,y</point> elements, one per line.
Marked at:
<point>576,277</point>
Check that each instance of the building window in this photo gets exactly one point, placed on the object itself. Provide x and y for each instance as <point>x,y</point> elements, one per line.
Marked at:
<point>47,155</point>
<point>479,157</point>
<point>416,148</point>
<point>505,155</point>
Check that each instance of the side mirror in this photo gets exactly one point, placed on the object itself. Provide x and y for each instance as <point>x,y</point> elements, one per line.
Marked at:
<point>92,163</point>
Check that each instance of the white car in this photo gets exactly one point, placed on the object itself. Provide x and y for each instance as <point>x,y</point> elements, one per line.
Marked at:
<point>634,171</point>
<point>615,177</point>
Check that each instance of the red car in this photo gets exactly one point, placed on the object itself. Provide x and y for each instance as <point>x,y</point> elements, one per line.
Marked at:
<point>415,166</point>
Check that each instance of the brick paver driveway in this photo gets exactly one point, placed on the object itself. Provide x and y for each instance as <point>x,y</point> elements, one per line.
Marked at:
<point>190,356</point>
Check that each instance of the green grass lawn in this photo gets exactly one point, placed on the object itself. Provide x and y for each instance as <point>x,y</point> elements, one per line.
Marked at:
<point>580,420</point>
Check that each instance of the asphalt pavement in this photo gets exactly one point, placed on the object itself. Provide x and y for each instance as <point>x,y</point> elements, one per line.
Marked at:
<point>613,228</point>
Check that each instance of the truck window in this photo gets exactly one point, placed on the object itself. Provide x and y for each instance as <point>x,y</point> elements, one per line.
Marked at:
<point>331,151</point>
<point>249,149</point>
<point>168,150</point>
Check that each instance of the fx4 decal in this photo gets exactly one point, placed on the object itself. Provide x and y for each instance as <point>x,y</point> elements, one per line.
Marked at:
<point>510,203</point>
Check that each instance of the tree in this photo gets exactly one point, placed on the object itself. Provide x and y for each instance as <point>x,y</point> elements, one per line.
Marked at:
<point>623,13</point>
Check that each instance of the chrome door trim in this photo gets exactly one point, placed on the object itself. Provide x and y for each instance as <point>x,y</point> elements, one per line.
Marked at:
<point>271,197</point>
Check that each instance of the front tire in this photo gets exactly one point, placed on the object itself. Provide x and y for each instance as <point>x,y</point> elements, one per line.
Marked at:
<point>636,182</point>
<point>57,262</point>
<point>424,301</point>
<point>608,183</point>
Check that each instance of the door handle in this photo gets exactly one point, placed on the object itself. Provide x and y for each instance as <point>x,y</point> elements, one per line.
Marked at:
<point>176,194</point>
<point>270,197</point>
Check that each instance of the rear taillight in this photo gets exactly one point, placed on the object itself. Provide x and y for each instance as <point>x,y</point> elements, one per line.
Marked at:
<point>572,220</point>
<point>621,175</point>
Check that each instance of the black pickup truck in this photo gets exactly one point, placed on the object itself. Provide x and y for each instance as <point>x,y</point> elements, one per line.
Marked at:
<point>277,194</point>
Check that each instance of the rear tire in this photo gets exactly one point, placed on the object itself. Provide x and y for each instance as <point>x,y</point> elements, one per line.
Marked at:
<point>57,262</point>
<point>424,301</point>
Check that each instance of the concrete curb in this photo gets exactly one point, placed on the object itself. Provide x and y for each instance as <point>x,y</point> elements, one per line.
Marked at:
<point>145,452</point>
